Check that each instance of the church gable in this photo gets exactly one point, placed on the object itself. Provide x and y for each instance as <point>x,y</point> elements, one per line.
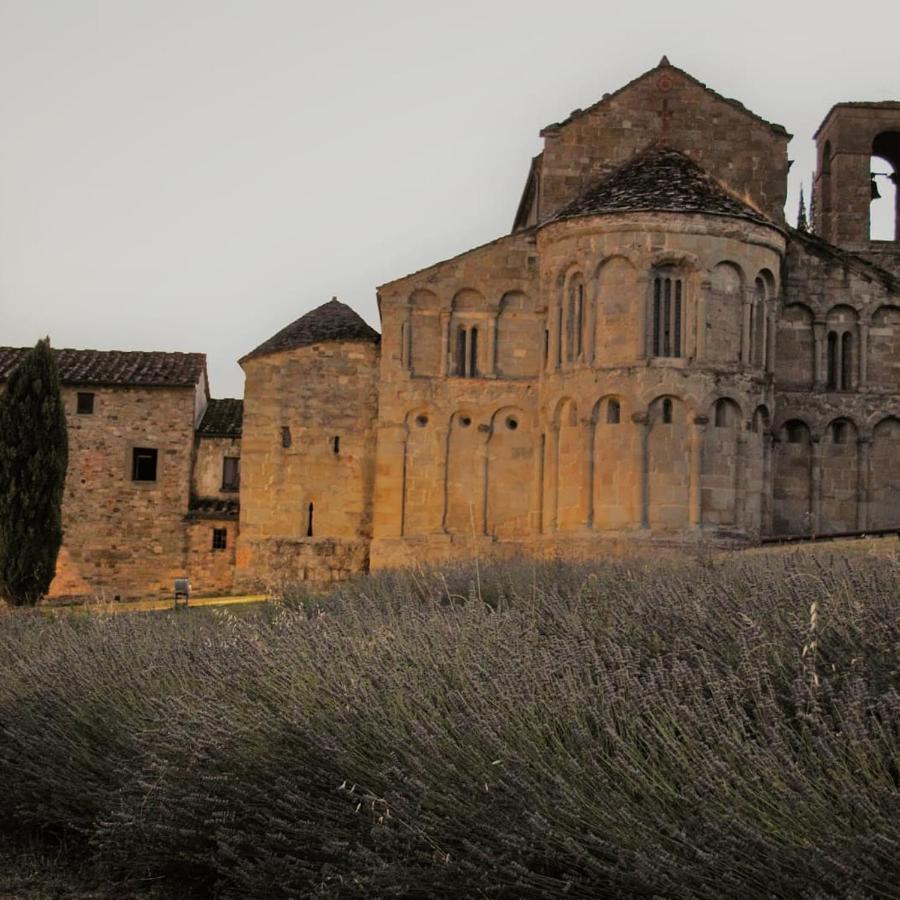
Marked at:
<point>666,106</point>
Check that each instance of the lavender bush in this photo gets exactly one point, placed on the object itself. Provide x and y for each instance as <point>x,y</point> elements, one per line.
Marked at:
<point>522,730</point>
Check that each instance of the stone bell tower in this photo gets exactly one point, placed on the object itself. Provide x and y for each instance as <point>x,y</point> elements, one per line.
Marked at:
<point>845,187</point>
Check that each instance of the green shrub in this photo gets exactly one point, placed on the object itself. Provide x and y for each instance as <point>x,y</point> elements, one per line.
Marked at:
<point>524,731</point>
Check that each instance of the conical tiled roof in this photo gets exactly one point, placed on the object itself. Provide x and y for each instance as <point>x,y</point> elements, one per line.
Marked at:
<point>332,321</point>
<point>660,180</point>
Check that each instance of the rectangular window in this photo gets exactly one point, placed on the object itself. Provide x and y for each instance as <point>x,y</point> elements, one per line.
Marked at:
<point>231,473</point>
<point>143,464</point>
<point>85,405</point>
<point>219,538</point>
<point>336,445</point>
<point>286,440</point>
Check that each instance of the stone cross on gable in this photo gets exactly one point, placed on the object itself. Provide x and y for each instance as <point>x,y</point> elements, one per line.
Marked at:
<point>664,85</point>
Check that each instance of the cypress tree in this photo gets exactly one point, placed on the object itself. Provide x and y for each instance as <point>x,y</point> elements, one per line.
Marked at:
<point>34,452</point>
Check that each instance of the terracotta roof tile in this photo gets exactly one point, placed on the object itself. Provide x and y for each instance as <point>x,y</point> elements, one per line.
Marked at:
<point>659,180</point>
<point>212,508</point>
<point>223,418</point>
<point>132,368</point>
<point>332,321</point>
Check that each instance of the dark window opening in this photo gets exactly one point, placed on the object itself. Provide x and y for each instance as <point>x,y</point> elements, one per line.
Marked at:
<point>231,473</point>
<point>309,520</point>
<point>559,336</point>
<point>796,432</point>
<point>722,417</point>
<point>667,315</point>
<point>219,538</point>
<point>846,361</point>
<point>143,464</point>
<point>85,405</point>
<point>473,352</point>
<point>286,439</point>
<point>832,377</point>
<point>421,421</point>
<point>839,431</point>
<point>511,423</point>
<point>336,445</point>
<point>461,352</point>
<point>667,411</point>
<point>465,421</point>
<point>546,346</point>
<point>613,412</point>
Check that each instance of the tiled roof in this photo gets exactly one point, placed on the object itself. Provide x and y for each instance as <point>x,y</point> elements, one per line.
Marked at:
<point>659,180</point>
<point>665,64</point>
<point>133,368</point>
<point>211,508</point>
<point>332,321</point>
<point>223,418</point>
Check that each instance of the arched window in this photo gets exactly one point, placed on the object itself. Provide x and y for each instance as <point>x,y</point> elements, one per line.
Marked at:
<point>466,362</point>
<point>839,432</point>
<point>575,319</point>
<point>667,411</point>
<point>885,202</point>
<point>473,352</point>
<point>721,414</point>
<point>666,314</point>
<point>309,520</point>
<point>796,432</point>
<point>613,412</point>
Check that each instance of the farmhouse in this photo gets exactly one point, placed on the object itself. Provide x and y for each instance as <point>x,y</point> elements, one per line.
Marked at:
<point>651,356</point>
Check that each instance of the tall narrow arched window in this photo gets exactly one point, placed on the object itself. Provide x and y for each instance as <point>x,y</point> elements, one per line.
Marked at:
<point>846,361</point>
<point>667,311</point>
<point>833,361</point>
<point>461,351</point>
<point>667,411</point>
<point>309,520</point>
<point>473,352</point>
<point>613,412</point>
<point>575,319</point>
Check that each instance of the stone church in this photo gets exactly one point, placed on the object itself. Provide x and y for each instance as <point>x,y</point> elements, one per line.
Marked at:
<point>652,356</point>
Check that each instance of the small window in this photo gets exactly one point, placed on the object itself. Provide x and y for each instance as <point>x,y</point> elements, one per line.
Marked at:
<point>421,421</point>
<point>143,464</point>
<point>666,316</point>
<point>473,353</point>
<point>722,416</point>
<point>336,445</point>
<point>667,411</point>
<point>465,421</point>
<point>85,405</point>
<point>231,473</point>
<point>839,432</point>
<point>309,520</point>
<point>461,352</point>
<point>796,432</point>
<point>286,439</point>
<point>613,412</point>
<point>219,538</point>
<point>512,423</point>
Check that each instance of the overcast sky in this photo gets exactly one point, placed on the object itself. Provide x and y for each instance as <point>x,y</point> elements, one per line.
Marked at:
<point>195,174</point>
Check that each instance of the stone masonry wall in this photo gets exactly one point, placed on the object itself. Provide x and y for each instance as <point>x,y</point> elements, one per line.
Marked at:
<point>123,537</point>
<point>307,460</point>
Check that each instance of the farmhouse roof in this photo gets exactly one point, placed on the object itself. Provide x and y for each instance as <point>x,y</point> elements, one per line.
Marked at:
<point>126,368</point>
<point>222,418</point>
<point>332,321</point>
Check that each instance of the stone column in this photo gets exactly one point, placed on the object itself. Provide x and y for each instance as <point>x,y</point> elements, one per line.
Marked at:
<point>480,525</point>
<point>642,420</point>
<point>863,456</point>
<point>645,318</point>
<point>445,343</point>
<point>741,465</point>
<point>537,525</point>
<point>767,502</point>
<point>773,334</point>
<point>695,510</point>
<point>863,356</point>
<point>551,479</point>
<point>815,485</point>
<point>587,470</point>
<point>747,319</point>
<point>819,359</point>
<point>406,348</point>
<point>491,367</point>
<point>700,321</point>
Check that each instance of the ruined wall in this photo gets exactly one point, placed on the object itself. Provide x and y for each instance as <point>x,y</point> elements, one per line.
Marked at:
<point>665,105</point>
<point>125,538</point>
<point>307,461</point>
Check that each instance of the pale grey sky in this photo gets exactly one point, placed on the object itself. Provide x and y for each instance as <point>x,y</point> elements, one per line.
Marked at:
<point>195,174</point>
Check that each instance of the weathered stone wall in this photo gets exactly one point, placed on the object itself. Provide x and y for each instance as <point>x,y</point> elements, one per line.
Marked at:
<point>583,447</point>
<point>837,444</point>
<point>299,488</point>
<point>667,106</point>
<point>125,538</point>
<point>207,478</point>
<point>210,568</point>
